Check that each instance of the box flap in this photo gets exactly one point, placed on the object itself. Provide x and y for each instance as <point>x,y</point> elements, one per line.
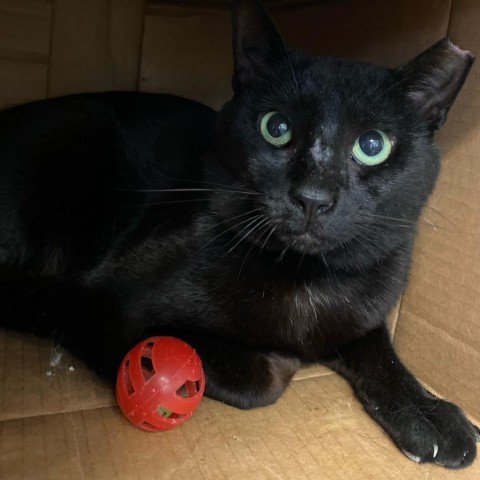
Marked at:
<point>316,430</point>
<point>438,332</point>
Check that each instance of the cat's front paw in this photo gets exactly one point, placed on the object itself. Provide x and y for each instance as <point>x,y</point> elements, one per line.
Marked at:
<point>436,432</point>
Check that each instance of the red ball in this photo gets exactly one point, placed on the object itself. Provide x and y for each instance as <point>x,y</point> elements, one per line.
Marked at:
<point>160,383</point>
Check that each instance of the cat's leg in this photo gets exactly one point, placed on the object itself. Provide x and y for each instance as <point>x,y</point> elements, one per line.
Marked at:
<point>242,377</point>
<point>86,321</point>
<point>90,323</point>
<point>426,428</point>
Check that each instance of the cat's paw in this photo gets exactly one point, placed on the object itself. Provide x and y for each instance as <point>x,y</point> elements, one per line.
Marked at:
<point>278,370</point>
<point>436,432</point>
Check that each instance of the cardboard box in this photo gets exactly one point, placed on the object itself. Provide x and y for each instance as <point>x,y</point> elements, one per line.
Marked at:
<point>63,423</point>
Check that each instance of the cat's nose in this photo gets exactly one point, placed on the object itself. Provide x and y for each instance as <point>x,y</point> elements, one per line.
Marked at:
<point>314,202</point>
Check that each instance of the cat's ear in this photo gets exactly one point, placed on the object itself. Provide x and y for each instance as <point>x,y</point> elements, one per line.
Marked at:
<point>433,79</point>
<point>257,45</point>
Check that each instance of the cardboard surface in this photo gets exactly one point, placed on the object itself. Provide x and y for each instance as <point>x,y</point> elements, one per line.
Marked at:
<point>39,378</point>
<point>58,422</point>
<point>95,46</point>
<point>188,52</point>
<point>438,333</point>
<point>388,33</point>
<point>316,430</point>
<point>31,386</point>
<point>24,50</point>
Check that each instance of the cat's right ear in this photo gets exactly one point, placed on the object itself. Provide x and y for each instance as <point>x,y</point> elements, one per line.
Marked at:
<point>433,79</point>
<point>256,43</point>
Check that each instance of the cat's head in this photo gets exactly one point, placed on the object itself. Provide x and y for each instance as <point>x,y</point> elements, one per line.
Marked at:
<point>332,155</point>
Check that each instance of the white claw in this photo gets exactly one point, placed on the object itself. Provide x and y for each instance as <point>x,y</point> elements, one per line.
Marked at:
<point>435,450</point>
<point>412,457</point>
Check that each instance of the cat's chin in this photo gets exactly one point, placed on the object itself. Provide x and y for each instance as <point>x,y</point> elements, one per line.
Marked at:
<point>308,243</point>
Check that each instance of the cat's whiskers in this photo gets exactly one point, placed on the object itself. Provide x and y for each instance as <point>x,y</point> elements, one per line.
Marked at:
<point>288,87</point>
<point>346,245</point>
<point>324,260</point>
<point>175,190</point>
<point>258,223</point>
<point>166,202</point>
<point>240,232</point>
<point>439,213</point>
<point>382,94</point>
<point>218,236</point>
<point>226,193</point>
<point>404,223</point>
<point>234,218</point>
<point>283,253</point>
<point>386,217</point>
<point>292,69</point>
<point>367,244</point>
<point>302,258</point>
<point>203,182</point>
<point>251,248</point>
<point>272,231</point>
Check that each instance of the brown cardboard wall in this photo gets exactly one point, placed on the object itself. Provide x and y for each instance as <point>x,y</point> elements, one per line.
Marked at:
<point>179,56</point>
<point>95,45</point>
<point>439,329</point>
<point>385,32</point>
<point>24,50</point>
<point>31,386</point>
<point>62,423</point>
<point>316,431</point>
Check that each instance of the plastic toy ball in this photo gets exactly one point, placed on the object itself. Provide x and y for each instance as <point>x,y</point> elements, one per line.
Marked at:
<point>160,383</point>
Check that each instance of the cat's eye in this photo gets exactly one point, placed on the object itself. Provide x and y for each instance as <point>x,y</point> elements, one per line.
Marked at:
<point>275,129</point>
<point>372,148</point>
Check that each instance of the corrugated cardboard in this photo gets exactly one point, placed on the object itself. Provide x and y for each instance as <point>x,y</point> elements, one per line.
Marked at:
<point>85,55</point>
<point>439,331</point>
<point>61,422</point>
<point>24,50</point>
<point>317,430</point>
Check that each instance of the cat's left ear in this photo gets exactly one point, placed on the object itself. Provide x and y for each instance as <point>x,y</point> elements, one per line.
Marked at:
<point>433,79</point>
<point>257,45</point>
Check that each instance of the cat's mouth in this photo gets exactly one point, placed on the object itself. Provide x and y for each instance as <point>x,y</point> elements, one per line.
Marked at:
<point>307,241</point>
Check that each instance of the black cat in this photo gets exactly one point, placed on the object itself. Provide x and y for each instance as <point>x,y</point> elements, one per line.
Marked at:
<point>287,242</point>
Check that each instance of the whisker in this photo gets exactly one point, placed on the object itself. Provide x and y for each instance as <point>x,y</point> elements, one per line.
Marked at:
<point>248,253</point>
<point>300,261</point>
<point>239,233</point>
<point>218,236</point>
<point>365,244</point>
<point>175,190</point>
<point>325,261</point>
<point>166,202</point>
<point>203,182</point>
<point>282,255</point>
<point>268,237</point>
<point>385,217</point>
<point>391,87</point>
<point>237,216</point>
<point>292,69</point>
<point>260,222</point>
<point>440,214</point>
<point>404,223</point>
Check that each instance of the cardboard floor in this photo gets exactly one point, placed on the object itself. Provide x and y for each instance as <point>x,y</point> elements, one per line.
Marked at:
<point>63,423</point>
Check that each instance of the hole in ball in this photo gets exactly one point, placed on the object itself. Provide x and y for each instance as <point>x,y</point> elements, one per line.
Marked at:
<point>148,370</point>
<point>128,381</point>
<point>188,389</point>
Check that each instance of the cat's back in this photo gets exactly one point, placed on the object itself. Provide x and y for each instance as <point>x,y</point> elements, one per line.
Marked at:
<point>73,171</point>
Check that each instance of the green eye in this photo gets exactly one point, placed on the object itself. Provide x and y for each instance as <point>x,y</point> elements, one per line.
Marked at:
<point>372,148</point>
<point>275,129</point>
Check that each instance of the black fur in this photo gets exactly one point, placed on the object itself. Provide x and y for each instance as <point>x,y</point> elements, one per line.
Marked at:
<point>126,215</point>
